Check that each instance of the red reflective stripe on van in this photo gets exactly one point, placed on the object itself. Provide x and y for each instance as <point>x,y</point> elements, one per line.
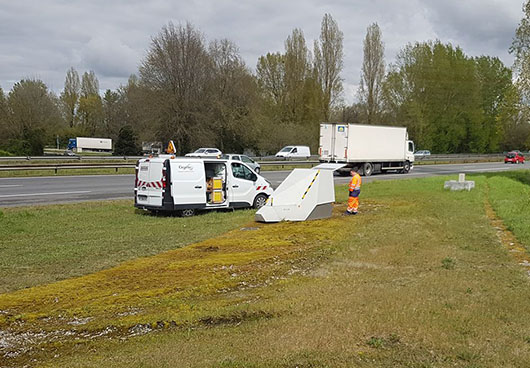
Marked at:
<point>153,184</point>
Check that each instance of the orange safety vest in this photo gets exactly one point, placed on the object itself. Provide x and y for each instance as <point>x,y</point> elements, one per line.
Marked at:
<point>355,182</point>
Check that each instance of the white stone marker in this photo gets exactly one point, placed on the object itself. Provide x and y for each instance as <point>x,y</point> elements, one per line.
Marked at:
<point>461,184</point>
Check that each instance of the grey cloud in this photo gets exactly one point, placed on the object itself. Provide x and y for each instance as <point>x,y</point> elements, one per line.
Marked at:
<point>479,27</point>
<point>44,39</point>
<point>109,57</point>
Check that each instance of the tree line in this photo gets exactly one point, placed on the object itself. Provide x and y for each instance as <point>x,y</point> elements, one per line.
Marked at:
<point>199,93</point>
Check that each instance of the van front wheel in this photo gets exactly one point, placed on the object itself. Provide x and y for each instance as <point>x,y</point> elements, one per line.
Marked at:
<point>260,201</point>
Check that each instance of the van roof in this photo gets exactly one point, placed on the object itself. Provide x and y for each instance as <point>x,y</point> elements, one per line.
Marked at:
<point>182,158</point>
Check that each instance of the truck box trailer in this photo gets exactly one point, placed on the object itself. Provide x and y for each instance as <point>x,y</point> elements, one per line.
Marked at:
<point>90,144</point>
<point>367,149</point>
<point>186,184</point>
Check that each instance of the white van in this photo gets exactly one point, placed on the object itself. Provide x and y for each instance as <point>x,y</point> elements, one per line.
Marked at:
<point>187,184</point>
<point>294,152</point>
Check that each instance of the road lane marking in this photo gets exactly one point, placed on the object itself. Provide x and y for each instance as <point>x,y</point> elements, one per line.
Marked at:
<point>10,186</point>
<point>43,194</point>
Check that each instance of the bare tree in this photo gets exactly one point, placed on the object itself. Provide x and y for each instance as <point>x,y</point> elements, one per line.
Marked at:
<point>328,63</point>
<point>178,70</point>
<point>70,95</point>
<point>234,95</point>
<point>271,76</point>
<point>372,74</point>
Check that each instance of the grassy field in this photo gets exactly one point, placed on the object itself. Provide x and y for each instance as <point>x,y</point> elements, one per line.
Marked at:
<point>78,239</point>
<point>421,278</point>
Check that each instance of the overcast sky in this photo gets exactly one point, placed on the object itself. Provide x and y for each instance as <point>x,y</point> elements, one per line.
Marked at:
<point>43,38</point>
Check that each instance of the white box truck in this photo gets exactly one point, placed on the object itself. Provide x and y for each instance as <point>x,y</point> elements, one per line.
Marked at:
<point>367,149</point>
<point>90,144</point>
<point>186,184</point>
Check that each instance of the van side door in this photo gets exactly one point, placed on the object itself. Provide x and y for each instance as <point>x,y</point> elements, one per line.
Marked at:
<point>242,188</point>
<point>188,182</point>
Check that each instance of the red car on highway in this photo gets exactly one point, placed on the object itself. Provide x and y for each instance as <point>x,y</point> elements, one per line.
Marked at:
<point>514,157</point>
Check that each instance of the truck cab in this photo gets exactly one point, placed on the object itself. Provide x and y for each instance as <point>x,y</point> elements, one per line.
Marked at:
<point>187,184</point>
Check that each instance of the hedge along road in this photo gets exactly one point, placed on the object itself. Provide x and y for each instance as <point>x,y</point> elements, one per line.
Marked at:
<point>67,189</point>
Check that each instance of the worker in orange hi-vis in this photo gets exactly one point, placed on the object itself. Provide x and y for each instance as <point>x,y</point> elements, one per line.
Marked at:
<point>355,190</point>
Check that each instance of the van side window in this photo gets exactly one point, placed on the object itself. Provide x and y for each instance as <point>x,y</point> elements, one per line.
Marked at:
<point>294,150</point>
<point>411,147</point>
<point>241,172</point>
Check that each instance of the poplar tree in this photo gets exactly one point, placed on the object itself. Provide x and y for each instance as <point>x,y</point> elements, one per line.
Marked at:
<point>90,104</point>
<point>372,75</point>
<point>328,54</point>
<point>70,95</point>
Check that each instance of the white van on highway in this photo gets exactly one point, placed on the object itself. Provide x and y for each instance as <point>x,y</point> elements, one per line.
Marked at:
<point>294,152</point>
<point>188,184</point>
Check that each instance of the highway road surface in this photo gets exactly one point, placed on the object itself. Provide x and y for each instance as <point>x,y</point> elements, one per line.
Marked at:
<point>68,189</point>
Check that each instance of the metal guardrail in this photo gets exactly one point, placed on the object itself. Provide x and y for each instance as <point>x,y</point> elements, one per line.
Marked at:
<point>287,163</point>
<point>457,158</point>
<point>432,159</point>
<point>58,167</point>
<point>261,159</point>
<point>68,158</point>
<point>68,166</point>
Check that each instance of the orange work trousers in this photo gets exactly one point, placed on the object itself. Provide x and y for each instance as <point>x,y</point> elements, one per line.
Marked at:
<point>353,204</point>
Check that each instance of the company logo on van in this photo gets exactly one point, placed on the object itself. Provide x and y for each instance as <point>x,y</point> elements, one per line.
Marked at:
<point>144,167</point>
<point>187,167</point>
<point>340,128</point>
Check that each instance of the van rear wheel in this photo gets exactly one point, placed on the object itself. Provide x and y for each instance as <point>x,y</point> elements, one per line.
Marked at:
<point>188,212</point>
<point>260,201</point>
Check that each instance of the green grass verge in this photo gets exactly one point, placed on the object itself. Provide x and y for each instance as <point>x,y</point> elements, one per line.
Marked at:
<point>77,239</point>
<point>510,198</point>
<point>418,279</point>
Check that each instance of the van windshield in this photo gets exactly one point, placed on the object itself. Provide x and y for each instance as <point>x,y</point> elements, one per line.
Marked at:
<point>287,149</point>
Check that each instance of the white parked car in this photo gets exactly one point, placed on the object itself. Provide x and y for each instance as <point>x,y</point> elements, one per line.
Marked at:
<point>205,152</point>
<point>243,158</point>
<point>294,152</point>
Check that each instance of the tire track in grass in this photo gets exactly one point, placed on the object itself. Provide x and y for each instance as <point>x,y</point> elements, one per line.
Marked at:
<point>506,237</point>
